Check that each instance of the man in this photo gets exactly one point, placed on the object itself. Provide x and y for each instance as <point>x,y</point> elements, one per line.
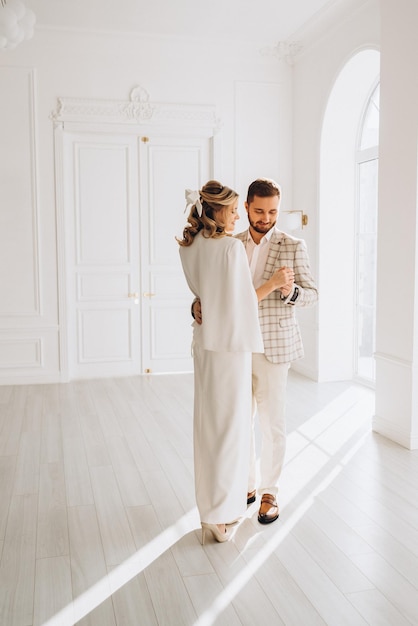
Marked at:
<point>269,250</point>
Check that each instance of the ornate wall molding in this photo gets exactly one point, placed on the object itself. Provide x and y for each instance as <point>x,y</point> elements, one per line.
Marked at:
<point>138,110</point>
<point>284,51</point>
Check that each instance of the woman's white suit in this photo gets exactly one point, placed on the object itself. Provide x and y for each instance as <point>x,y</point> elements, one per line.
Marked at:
<point>217,271</point>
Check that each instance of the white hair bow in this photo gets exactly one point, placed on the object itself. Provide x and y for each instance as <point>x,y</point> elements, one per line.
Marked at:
<point>193,197</point>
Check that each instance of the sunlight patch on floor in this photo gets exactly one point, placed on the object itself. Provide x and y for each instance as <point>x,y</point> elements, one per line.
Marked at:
<point>122,574</point>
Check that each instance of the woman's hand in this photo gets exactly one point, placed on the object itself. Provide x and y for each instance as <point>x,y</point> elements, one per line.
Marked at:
<point>197,311</point>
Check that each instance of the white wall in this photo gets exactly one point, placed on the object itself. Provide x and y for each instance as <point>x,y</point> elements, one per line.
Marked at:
<point>206,72</point>
<point>397,275</point>
<point>249,90</point>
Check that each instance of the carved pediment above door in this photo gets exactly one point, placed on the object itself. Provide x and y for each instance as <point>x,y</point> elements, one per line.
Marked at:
<point>137,110</point>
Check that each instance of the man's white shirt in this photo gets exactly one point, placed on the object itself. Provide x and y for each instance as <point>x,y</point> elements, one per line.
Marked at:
<point>257,256</point>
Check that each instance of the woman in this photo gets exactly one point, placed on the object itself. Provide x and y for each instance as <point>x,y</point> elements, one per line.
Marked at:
<point>216,269</point>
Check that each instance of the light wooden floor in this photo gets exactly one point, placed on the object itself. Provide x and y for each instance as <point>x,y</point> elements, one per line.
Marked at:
<point>98,522</point>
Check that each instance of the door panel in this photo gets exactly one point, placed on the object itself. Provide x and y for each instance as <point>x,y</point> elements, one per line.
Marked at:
<point>98,340</point>
<point>102,259</point>
<point>168,165</point>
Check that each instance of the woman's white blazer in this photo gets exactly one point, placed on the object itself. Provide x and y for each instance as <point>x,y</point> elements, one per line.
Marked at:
<point>217,272</point>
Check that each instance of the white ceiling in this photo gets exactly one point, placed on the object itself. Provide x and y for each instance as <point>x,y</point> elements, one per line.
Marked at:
<point>260,21</point>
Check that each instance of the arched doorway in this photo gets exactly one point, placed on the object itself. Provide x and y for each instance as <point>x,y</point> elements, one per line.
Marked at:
<point>338,257</point>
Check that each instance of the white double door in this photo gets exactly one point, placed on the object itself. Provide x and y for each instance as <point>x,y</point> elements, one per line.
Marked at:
<point>127,305</point>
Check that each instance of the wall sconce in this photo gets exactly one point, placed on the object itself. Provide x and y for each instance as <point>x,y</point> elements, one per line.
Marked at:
<point>292,220</point>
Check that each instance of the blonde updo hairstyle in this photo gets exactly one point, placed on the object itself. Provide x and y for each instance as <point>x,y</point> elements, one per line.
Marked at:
<point>214,197</point>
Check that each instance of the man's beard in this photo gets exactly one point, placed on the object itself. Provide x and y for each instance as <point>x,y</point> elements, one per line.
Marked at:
<point>260,228</point>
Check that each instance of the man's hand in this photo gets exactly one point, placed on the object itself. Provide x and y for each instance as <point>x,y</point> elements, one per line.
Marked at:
<point>197,311</point>
<point>283,279</point>
<point>287,289</point>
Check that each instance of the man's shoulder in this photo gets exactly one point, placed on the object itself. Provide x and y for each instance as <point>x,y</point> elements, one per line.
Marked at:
<point>242,236</point>
<point>280,236</point>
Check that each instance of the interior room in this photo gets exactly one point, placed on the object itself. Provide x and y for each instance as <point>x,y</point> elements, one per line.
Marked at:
<point>108,113</point>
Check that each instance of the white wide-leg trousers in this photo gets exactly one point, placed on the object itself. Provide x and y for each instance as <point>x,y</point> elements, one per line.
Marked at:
<point>269,381</point>
<point>222,433</point>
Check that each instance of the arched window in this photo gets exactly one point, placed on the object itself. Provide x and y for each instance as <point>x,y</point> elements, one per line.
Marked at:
<point>366,240</point>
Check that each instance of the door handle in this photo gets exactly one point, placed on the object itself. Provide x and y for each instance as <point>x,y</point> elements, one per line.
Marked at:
<point>134,296</point>
<point>148,295</point>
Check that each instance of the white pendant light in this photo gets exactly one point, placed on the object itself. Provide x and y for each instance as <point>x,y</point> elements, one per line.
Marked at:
<point>16,23</point>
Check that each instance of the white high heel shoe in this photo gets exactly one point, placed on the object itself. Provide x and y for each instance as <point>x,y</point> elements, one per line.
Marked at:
<point>218,535</point>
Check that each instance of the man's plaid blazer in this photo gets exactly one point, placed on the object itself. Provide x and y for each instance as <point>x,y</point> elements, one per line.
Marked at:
<point>279,326</point>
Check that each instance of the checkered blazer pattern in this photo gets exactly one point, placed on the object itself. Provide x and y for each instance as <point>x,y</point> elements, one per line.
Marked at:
<point>279,326</point>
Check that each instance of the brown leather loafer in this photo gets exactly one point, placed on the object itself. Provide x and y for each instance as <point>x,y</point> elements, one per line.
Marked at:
<point>251,497</point>
<point>269,510</point>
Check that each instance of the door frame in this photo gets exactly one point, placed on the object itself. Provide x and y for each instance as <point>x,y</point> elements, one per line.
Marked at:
<point>137,116</point>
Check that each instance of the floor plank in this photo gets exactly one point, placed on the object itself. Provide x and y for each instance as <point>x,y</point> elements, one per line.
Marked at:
<point>17,566</point>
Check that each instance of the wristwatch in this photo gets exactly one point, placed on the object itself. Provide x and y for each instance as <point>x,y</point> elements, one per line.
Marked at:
<point>295,295</point>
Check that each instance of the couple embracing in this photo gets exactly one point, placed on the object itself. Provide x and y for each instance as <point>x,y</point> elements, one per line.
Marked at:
<point>245,337</point>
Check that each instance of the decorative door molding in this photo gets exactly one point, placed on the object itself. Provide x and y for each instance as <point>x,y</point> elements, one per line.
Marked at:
<point>138,110</point>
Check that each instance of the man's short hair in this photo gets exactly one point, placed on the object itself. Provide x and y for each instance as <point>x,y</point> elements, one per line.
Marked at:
<point>263,188</point>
